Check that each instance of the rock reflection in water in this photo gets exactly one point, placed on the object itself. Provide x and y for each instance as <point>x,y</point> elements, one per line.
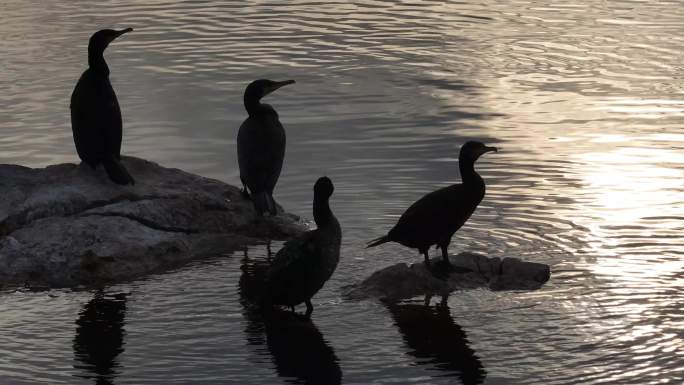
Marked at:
<point>435,339</point>
<point>300,353</point>
<point>100,337</point>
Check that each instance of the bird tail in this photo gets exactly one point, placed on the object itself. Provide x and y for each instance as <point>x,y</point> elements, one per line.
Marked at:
<point>263,202</point>
<point>117,172</point>
<point>378,241</point>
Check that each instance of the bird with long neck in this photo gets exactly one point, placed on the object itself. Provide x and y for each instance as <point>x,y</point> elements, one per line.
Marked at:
<point>95,113</point>
<point>304,264</point>
<point>322,214</point>
<point>261,146</point>
<point>97,45</point>
<point>434,218</point>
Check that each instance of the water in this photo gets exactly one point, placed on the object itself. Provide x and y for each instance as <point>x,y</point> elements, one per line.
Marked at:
<point>585,101</point>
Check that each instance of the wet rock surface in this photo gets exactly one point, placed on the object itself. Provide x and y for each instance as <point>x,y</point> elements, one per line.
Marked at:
<point>468,271</point>
<point>67,225</point>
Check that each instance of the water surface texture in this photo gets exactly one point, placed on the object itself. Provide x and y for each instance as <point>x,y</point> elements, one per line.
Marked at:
<point>584,99</point>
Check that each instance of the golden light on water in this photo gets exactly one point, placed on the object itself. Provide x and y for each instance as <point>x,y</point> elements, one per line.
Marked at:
<point>628,191</point>
<point>643,108</point>
<point>627,206</point>
<point>628,184</point>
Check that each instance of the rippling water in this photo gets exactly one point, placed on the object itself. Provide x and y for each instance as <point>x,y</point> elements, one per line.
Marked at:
<point>584,99</point>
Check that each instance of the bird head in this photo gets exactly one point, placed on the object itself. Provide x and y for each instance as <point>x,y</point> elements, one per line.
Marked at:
<point>262,87</point>
<point>472,150</point>
<point>323,188</point>
<point>101,39</point>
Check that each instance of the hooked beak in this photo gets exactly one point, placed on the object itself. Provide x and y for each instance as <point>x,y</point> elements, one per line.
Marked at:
<point>278,85</point>
<point>489,149</point>
<point>119,33</point>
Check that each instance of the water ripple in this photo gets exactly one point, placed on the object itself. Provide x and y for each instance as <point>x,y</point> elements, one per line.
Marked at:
<point>582,98</point>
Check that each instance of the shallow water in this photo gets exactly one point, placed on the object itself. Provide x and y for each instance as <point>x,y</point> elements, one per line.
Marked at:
<point>585,101</point>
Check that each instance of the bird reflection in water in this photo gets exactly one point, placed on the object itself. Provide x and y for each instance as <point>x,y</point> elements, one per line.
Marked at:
<point>100,337</point>
<point>435,339</point>
<point>300,353</point>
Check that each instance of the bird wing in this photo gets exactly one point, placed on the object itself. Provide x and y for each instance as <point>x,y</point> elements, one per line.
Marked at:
<point>433,215</point>
<point>261,150</point>
<point>290,262</point>
<point>277,153</point>
<point>95,118</point>
<point>113,130</point>
<point>82,118</point>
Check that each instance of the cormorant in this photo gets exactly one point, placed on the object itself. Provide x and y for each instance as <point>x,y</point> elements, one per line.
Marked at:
<point>261,145</point>
<point>304,264</point>
<point>95,112</point>
<point>298,349</point>
<point>434,218</point>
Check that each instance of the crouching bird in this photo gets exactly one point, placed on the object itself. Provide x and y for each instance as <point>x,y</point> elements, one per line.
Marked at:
<point>95,113</point>
<point>434,218</point>
<point>304,264</point>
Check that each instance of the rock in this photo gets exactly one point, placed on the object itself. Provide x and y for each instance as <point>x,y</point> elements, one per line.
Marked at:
<point>470,271</point>
<point>68,225</point>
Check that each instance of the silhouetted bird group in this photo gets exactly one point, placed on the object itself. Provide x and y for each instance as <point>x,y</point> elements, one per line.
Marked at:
<point>303,265</point>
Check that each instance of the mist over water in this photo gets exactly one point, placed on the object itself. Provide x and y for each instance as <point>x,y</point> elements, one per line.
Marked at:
<point>584,100</point>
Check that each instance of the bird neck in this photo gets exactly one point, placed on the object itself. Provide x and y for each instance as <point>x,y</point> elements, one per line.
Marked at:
<point>321,211</point>
<point>253,104</point>
<point>97,62</point>
<point>468,174</point>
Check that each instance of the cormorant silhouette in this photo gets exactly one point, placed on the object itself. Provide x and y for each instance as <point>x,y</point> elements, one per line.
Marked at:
<point>434,218</point>
<point>261,145</point>
<point>95,112</point>
<point>298,349</point>
<point>304,264</point>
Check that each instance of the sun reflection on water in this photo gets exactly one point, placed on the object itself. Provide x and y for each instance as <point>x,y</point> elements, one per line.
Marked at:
<point>627,189</point>
<point>627,184</point>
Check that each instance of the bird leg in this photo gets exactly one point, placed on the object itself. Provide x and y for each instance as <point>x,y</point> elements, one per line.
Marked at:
<point>445,254</point>
<point>244,192</point>
<point>309,308</point>
<point>427,258</point>
<point>443,303</point>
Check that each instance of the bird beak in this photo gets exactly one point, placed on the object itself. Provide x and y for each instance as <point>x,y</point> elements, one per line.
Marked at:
<point>119,33</point>
<point>489,149</point>
<point>278,85</point>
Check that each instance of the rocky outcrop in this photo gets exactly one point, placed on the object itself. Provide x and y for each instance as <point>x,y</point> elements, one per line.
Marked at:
<point>68,225</point>
<point>468,271</point>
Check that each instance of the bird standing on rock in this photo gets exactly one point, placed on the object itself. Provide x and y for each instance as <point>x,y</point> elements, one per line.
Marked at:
<point>261,146</point>
<point>434,218</point>
<point>303,265</point>
<point>95,113</point>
